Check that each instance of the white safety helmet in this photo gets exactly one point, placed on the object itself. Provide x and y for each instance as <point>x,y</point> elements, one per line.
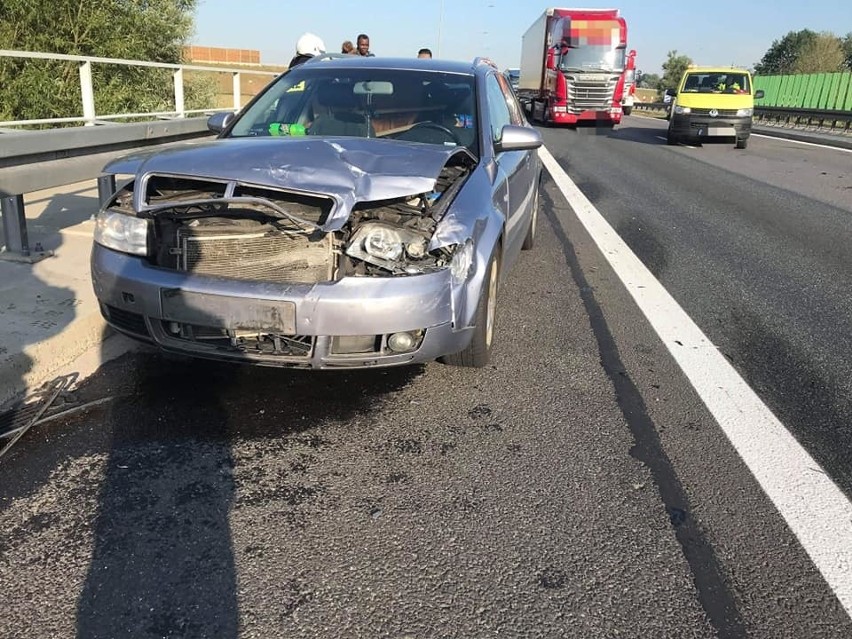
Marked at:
<point>310,44</point>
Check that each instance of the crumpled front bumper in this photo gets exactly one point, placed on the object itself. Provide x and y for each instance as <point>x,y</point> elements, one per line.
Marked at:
<point>147,303</point>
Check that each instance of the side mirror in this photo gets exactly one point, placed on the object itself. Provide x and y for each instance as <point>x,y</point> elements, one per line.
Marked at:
<point>518,138</point>
<point>671,93</point>
<point>758,94</point>
<point>218,122</point>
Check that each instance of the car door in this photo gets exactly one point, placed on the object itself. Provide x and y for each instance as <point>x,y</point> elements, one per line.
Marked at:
<point>510,164</point>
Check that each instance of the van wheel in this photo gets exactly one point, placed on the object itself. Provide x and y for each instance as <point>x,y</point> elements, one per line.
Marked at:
<point>478,352</point>
<point>742,143</point>
<point>671,138</point>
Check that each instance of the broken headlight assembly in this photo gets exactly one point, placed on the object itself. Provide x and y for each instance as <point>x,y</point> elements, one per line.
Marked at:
<point>391,247</point>
<point>122,232</point>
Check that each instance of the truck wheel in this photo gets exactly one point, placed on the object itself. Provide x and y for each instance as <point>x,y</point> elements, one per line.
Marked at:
<point>478,352</point>
<point>742,143</point>
<point>627,110</point>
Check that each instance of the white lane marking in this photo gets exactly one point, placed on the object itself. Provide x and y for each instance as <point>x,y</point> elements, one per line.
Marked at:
<point>815,509</point>
<point>819,146</point>
<point>660,137</point>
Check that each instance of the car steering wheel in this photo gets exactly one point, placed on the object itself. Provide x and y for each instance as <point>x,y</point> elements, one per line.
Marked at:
<point>429,124</point>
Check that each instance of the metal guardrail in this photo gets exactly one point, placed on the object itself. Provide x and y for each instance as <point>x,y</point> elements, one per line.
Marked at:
<point>35,160</point>
<point>87,94</point>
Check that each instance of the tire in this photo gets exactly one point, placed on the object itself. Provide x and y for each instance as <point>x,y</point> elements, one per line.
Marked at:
<point>742,143</point>
<point>671,138</point>
<point>478,352</point>
<point>529,240</point>
<point>627,110</point>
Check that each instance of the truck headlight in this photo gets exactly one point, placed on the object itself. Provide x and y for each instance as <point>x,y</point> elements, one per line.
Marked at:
<point>682,110</point>
<point>385,245</point>
<point>122,232</point>
<point>745,113</point>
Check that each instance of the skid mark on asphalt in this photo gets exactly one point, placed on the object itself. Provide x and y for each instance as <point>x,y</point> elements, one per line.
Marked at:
<point>815,509</point>
<point>714,595</point>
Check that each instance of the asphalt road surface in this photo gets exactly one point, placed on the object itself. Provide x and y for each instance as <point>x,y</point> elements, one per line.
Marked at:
<point>576,488</point>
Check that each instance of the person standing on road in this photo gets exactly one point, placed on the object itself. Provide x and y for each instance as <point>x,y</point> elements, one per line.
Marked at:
<point>307,46</point>
<point>364,45</point>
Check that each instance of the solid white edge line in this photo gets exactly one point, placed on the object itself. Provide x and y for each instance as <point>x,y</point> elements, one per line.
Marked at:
<point>819,146</point>
<point>815,509</point>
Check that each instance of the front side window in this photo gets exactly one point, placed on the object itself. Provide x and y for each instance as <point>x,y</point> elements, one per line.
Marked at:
<point>498,108</point>
<point>415,106</point>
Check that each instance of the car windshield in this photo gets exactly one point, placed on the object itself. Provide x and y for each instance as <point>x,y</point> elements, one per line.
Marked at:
<point>417,106</point>
<point>734,82</point>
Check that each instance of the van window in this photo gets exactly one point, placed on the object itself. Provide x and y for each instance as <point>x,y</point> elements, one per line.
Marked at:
<point>717,82</point>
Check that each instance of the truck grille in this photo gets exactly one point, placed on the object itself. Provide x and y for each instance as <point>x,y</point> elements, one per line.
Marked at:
<point>585,94</point>
<point>285,257</point>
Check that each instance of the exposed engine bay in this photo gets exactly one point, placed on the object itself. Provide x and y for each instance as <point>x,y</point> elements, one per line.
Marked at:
<point>229,230</point>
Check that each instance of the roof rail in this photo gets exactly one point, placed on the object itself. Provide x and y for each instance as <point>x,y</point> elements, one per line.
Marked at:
<point>327,56</point>
<point>481,60</point>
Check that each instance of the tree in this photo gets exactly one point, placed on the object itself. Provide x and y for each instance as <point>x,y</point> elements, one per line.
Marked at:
<point>648,81</point>
<point>153,30</point>
<point>822,54</point>
<point>673,69</point>
<point>846,43</point>
<point>782,56</point>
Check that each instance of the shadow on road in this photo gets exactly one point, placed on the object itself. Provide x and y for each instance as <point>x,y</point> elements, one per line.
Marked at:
<point>163,562</point>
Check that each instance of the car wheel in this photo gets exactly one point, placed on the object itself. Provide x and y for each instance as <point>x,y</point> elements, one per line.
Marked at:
<point>671,138</point>
<point>529,240</point>
<point>478,352</point>
<point>742,143</point>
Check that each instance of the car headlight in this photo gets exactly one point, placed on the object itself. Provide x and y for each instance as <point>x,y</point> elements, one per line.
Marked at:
<point>682,110</point>
<point>122,232</point>
<point>386,246</point>
<point>745,113</point>
<point>462,262</point>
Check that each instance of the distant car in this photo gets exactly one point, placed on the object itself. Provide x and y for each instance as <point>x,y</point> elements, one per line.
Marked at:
<point>358,213</point>
<point>514,77</point>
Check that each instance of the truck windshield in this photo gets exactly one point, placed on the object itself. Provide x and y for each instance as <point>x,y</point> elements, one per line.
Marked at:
<point>592,58</point>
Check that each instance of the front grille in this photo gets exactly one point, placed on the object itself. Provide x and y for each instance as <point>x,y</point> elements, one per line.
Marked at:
<point>585,94</point>
<point>125,320</point>
<point>244,342</point>
<point>286,257</point>
<point>721,113</point>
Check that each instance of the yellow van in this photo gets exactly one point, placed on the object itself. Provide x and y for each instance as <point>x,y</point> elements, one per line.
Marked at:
<point>712,102</point>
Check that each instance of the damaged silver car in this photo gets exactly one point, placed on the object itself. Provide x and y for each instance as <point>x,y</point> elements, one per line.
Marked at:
<point>359,212</point>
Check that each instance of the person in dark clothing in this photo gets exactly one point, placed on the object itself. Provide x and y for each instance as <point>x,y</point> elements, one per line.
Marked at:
<point>308,46</point>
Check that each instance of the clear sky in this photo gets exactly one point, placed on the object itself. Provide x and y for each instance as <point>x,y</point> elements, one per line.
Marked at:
<point>721,32</point>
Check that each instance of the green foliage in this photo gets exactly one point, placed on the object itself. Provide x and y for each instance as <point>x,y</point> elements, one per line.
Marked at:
<point>782,56</point>
<point>673,69</point>
<point>822,54</point>
<point>152,30</point>
<point>200,90</point>
<point>648,81</point>
<point>846,43</point>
